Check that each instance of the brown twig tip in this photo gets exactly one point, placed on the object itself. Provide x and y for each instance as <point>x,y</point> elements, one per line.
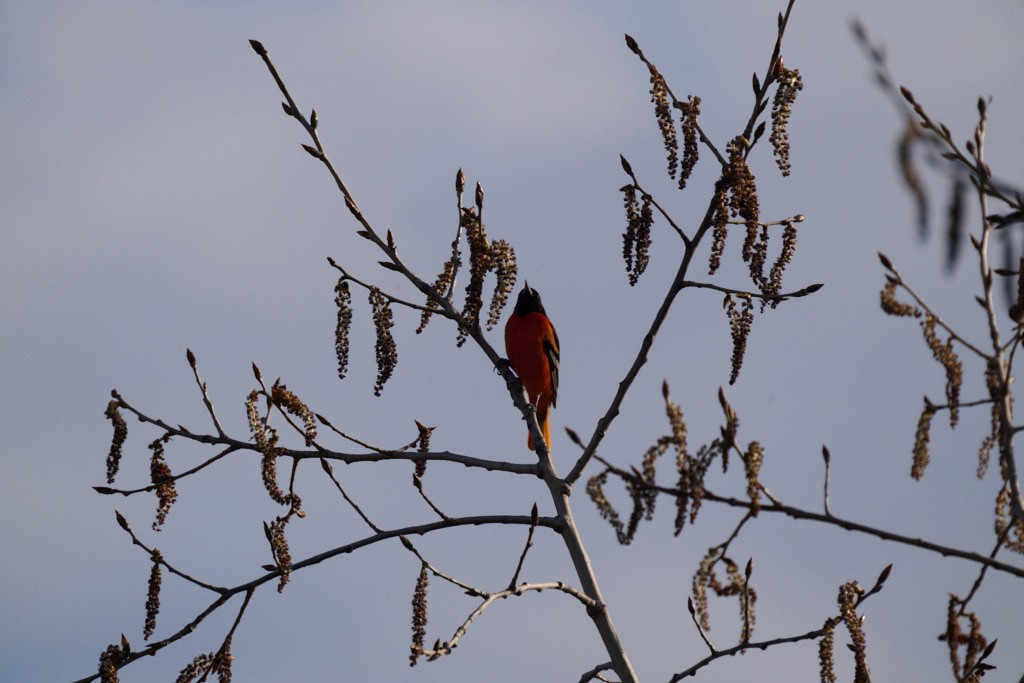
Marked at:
<point>256,372</point>
<point>460,182</point>
<point>749,569</point>
<point>909,96</point>
<point>886,263</point>
<point>632,45</point>
<point>574,437</point>
<point>759,131</point>
<point>690,607</point>
<point>479,198</point>
<point>826,455</point>
<point>258,47</point>
<point>882,578</point>
<point>313,151</point>
<point>122,522</point>
<point>191,358</point>
<point>626,167</point>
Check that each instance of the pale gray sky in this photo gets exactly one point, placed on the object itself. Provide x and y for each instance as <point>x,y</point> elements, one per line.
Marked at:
<point>153,197</point>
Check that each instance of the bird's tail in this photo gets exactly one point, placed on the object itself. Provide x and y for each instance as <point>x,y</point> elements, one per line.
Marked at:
<point>545,425</point>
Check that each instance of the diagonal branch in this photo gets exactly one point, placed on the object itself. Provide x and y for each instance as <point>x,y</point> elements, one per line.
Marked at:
<point>123,523</point>
<point>337,484</point>
<point>202,388</point>
<point>526,549</point>
<point>849,525</point>
<point>185,630</point>
<point>678,283</point>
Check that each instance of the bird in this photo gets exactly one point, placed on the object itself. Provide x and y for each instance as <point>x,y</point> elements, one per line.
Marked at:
<point>531,344</point>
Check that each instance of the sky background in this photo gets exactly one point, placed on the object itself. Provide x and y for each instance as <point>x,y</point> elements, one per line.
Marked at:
<point>153,197</point>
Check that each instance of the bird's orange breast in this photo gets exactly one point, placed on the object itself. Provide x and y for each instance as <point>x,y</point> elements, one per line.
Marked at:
<point>525,337</point>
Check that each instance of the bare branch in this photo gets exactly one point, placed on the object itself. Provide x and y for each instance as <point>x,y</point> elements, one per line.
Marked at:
<point>526,549</point>
<point>446,647</point>
<point>202,388</point>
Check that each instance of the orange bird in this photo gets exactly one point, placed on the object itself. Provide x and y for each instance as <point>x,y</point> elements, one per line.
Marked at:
<point>531,344</point>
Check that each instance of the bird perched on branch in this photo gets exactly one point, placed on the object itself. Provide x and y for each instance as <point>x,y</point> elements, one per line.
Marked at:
<point>531,344</point>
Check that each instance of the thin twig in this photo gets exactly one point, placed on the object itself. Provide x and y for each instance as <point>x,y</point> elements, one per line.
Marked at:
<point>359,511</point>
<point>227,639</point>
<point>202,388</point>
<point>676,105</point>
<point>327,423</point>
<point>456,260</point>
<point>827,457</point>
<point>444,306</point>
<point>644,193</point>
<point>107,490</point>
<point>746,632</point>
<point>743,647</point>
<point>123,523</point>
<point>447,647</point>
<point>390,297</point>
<point>810,289</point>
<point>938,320</point>
<point>849,525</point>
<point>469,590</point>
<point>418,483</point>
<point>526,549</point>
<point>696,622</point>
<point>769,76</point>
